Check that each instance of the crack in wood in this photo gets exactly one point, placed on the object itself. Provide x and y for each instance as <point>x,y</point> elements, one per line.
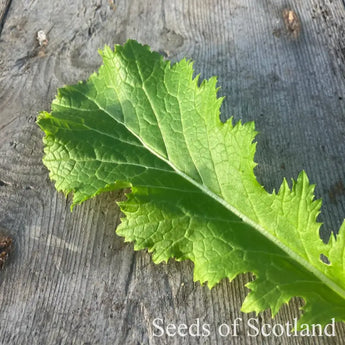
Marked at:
<point>3,14</point>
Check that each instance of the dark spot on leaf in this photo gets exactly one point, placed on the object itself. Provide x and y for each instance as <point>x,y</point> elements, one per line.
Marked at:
<point>324,259</point>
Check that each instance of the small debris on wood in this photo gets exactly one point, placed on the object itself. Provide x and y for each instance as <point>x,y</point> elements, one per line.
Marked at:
<point>336,190</point>
<point>292,22</point>
<point>6,244</point>
<point>42,38</point>
<point>112,4</point>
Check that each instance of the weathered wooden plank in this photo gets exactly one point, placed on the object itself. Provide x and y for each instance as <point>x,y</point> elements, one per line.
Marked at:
<point>70,280</point>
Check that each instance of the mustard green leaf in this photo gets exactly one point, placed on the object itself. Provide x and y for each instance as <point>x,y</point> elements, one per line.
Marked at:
<point>144,123</point>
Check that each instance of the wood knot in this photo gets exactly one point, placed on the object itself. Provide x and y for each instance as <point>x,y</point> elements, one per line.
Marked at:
<point>292,22</point>
<point>6,246</point>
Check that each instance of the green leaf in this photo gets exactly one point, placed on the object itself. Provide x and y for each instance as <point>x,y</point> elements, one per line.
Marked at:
<point>144,123</point>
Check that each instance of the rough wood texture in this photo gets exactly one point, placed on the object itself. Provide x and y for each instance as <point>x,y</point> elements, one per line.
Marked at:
<point>71,280</point>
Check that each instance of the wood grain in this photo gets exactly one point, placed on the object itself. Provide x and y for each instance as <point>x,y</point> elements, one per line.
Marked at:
<point>70,279</point>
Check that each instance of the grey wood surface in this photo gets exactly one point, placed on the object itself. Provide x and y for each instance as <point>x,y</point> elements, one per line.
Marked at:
<point>70,279</point>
